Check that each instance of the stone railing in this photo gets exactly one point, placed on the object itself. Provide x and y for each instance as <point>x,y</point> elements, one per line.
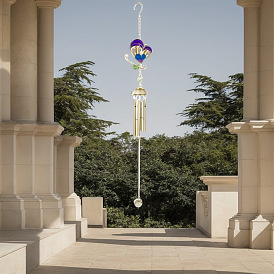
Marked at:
<point>216,206</point>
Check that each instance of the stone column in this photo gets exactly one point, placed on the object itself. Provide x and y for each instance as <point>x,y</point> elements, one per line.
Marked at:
<point>65,176</point>
<point>24,61</point>
<point>5,59</point>
<point>266,61</point>
<point>251,56</point>
<point>253,225</point>
<point>53,215</point>
<point>45,59</point>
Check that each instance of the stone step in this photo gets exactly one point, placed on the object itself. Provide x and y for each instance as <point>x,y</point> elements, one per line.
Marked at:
<point>23,250</point>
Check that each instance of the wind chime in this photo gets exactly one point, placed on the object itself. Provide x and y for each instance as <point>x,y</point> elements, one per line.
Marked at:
<point>140,52</point>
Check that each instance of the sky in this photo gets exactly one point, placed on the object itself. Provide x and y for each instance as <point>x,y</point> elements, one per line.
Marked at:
<point>186,36</point>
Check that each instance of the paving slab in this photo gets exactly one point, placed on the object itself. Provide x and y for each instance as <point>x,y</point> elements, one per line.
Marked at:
<point>156,251</point>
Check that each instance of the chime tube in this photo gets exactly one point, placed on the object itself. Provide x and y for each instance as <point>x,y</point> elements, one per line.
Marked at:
<point>138,117</point>
<point>141,116</point>
<point>144,114</point>
<point>134,116</point>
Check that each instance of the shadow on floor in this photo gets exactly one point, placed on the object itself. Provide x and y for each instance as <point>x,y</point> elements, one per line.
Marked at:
<point>77,270</point>
<point>169,232</point>
<point>155,243</point>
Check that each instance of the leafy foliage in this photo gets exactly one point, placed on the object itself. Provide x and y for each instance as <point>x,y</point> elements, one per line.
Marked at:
<point>170,171</point>
<point>222,103</point>
<point>74,98</point>
<point>171,166</point>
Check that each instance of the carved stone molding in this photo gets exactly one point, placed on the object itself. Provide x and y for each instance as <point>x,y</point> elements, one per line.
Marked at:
<point>64,140</point>
<point>204,198</point>
<point>249,3</point>
<point>251,126</point>
<point>48,3</point>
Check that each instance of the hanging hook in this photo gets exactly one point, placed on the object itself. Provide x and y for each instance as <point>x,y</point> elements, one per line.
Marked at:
<point>139,17</point>
<point>138,3</point>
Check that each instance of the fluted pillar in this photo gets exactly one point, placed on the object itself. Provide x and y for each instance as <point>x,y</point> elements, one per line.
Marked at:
<point>24,61</point>
<point>45,59</point>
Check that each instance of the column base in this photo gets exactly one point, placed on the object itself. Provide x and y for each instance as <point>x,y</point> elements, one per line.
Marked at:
<point>72,207</point>
<point>12,212</point>
<point>261,232</point>
<point>53,212</point>
<point>249,231</point>
<point>239,230</point>
<point>33,212</point>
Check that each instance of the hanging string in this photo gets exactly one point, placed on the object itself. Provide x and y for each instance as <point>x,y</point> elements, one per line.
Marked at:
<point>139,167</point>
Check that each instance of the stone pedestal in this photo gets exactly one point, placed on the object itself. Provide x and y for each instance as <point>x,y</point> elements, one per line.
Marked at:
<point>65,176</point>
<point>215,206</point>
<point>27,162</point>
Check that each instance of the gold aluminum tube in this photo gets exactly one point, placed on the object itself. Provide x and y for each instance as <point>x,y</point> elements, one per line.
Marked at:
<point>139,111</point>
<point>134,116</point>
<point>141,116</point>
<point>138,117</point>
<point>144,114</point>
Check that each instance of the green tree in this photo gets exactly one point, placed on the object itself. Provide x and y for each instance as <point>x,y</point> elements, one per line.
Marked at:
<point>221,104</point>
<point>170,171</point>
<point>171,166</point>
<point>74,99</point>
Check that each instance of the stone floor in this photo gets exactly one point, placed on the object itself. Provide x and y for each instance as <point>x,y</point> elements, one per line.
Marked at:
<point>157,251</point>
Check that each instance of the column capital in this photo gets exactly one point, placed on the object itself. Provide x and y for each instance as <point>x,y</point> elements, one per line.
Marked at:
<point>48,3</point>
<point>249,3</point>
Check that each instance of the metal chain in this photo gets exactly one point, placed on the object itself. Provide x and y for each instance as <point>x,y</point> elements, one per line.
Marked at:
<point>139,17</point>
<point>139,26</point>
